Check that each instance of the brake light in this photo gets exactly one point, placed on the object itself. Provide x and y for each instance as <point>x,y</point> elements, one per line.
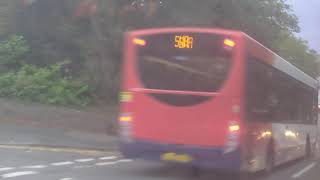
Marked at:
<point>234,128</point>
<point>125,127</point>
<point>125,118</point>
<point>232,137</point>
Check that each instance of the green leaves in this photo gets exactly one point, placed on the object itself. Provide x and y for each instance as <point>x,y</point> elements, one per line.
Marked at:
<point>12,50</point>
<point>296,51</point>
<point>93,41</point>
<point>271,22</point>
<point>44,85</point>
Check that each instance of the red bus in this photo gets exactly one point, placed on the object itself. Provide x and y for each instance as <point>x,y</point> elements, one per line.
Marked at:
<point>213,98</point>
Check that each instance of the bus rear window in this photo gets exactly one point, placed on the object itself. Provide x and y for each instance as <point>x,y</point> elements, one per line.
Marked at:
<point>184,61</point>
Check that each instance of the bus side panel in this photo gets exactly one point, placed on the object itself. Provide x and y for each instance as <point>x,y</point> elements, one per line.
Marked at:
<point>259,133</point>
<point>288,138</point>
<point>291,140</point>
<point>256,136</point>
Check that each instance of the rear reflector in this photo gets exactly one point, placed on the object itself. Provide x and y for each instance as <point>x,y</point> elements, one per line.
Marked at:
<point>126,97</point>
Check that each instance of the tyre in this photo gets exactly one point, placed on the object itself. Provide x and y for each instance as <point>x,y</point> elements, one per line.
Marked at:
<point>195,171</point>
<point>308,151</point>
<point>245,176</point>
<point>269,158</point>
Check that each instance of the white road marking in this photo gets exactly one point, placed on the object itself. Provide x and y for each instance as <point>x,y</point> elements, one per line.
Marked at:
<point>62,163</point>
<point>66,179</point>
<point>108,158</point>
<point>6,169</point>
<point>304,170</point>
<point>125,160</point>
<point>105,163</point>
<point>84,160</point>
<point>113,162</point>
<point>16,174</point>
<point>82,167</point>
<point>35,167</point>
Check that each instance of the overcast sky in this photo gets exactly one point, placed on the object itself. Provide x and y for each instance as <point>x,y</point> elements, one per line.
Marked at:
<point>308,12</point>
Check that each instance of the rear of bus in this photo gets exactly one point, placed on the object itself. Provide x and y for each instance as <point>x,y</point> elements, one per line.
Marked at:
<point>181,98</point>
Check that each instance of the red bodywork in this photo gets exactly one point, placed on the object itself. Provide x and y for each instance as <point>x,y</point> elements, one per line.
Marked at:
<point>152,128</point>
<point>205,124</point>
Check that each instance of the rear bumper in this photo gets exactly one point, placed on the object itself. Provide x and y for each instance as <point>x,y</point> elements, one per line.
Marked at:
<point>205,157</point>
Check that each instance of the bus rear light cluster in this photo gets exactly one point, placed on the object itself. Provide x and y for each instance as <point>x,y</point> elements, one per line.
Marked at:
<point>234,128</point>
<point>125,127</point>
<point>125,118</point>
<point>126,97</point>
<point>232,137</point>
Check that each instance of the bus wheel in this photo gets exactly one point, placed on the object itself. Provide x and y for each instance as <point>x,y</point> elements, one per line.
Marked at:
<point>308,152</point>
<point>245,176</point>
<point>269,158</point>
<point>195,171</point>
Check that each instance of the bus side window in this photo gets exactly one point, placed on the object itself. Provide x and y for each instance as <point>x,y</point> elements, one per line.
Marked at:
<point>261,101</point>
<point>281,87</point>
<point>274,96</point>
<point>295,100</point>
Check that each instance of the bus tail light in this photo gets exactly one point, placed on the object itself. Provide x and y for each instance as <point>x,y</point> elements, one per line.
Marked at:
<point>125,118</point>
<point>232,137</point>
<point>125,126</point>
<point>234,128</point>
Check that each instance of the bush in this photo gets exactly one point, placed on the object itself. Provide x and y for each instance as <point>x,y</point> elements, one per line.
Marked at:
<point>45,85</point>
<point>12,50</point>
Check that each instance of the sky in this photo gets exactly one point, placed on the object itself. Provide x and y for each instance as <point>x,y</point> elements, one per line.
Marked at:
<point>309,20</point>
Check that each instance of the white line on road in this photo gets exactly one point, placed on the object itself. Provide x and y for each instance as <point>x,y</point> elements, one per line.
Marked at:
<point>6,169</point>
<point>16,174</point>
<point>82,167</point>
<point>108,158</point>
<point>125,160</point>
<point>35,167</point>
<point>113,162</point>
<point>62,163</point>
<point>84,160</point>
<point>66,179</point>
<point>304,170</point>
<point>105,163</point>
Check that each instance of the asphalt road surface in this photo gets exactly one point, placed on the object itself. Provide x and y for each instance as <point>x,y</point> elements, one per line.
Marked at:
<point>70,164</point>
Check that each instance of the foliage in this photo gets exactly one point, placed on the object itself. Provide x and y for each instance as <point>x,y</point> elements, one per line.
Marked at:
<point>271,22</point>
<point>12,50</point>
<point>45,85</point>
<point>90,32</point>
<point>296,51</point>
<point>8,8</point>
<point>262,19</point>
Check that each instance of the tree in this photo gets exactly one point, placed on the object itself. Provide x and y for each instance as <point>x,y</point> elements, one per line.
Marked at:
<point>271,22</point>
<point>8,8</point>
<point>296,51</point>
<point>89,32</point>
<point>264,20</point>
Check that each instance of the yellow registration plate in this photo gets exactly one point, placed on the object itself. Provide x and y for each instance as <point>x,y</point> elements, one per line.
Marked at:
<point>182,158</point>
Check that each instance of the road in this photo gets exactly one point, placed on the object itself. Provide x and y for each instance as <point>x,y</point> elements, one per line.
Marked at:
<point>37,163</point>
